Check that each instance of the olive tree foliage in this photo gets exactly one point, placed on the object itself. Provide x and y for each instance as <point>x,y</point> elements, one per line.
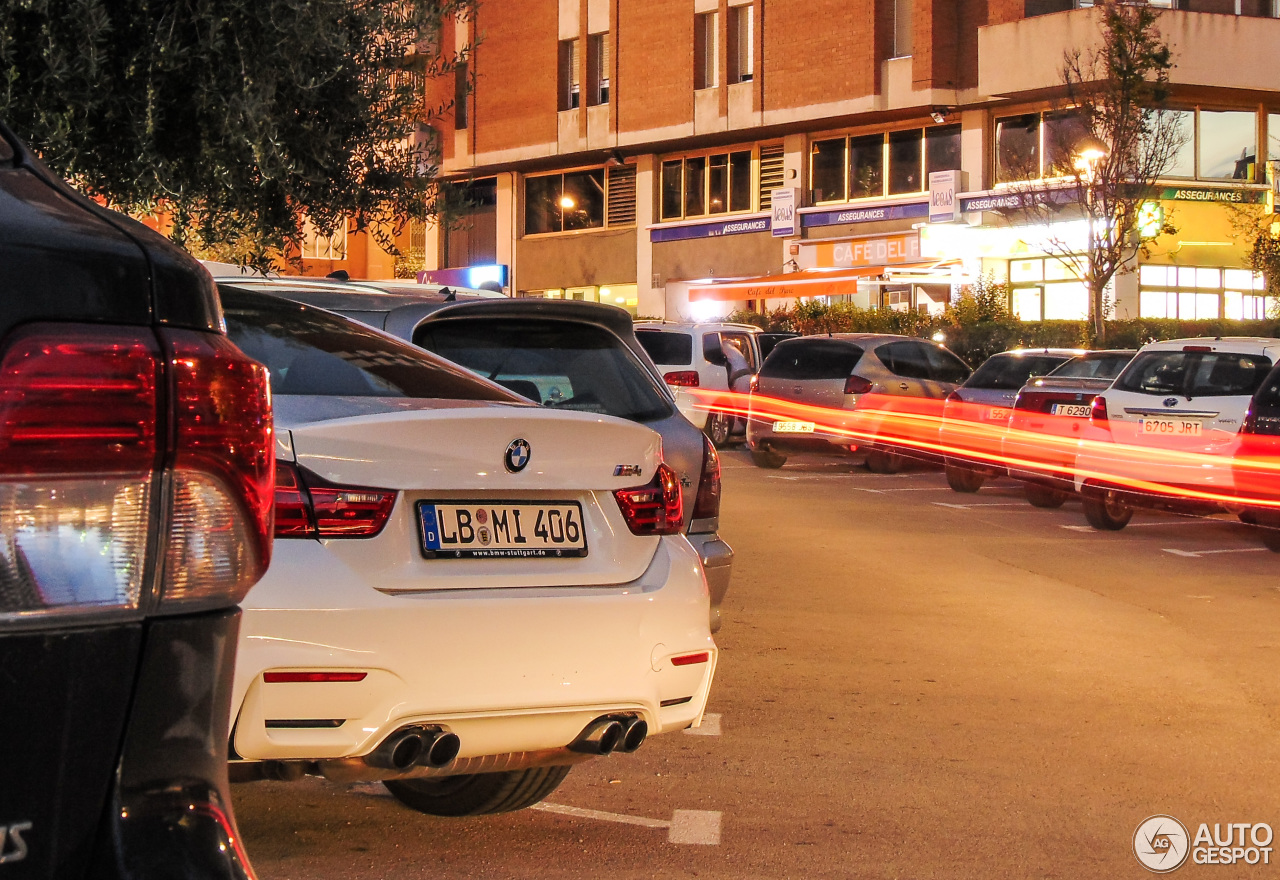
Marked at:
<point>1109,142</point>
<point>237,117</point>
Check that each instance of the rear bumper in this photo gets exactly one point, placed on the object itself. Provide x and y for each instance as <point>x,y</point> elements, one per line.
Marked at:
<point>760,434</point>
<point>508,670</point>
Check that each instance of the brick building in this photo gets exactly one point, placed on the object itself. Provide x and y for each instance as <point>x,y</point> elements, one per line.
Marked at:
<point>634,151</point>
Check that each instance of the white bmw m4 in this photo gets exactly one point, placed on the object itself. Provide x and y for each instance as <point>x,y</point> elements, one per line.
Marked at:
<point>468,594</point>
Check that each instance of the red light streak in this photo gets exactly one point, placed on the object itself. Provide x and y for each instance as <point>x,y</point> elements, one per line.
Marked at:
<point>1248,461</point>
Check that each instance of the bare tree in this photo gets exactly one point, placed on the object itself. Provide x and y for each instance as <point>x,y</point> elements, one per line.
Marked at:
<point>1105,146</point>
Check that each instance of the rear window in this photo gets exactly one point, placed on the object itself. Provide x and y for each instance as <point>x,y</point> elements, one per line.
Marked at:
<point>560,364</point>
<point>1093,366</point>
<point>919,360</point>
<point>1195,373</point>
<point>310,351</point>
<point>1268,395</point>
<point>811,359</point>
<point>1009,372</point>
<point>674,349</point>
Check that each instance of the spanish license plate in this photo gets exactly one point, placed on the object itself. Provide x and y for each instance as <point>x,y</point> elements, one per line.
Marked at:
<point>1074,410</point>
<point>1171,427</point>
<point>501,530</point>
<point>793,427</point>
<point>998,414</point>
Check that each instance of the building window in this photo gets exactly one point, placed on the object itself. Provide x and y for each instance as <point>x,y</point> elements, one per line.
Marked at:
<point>1034,146</point>
<point>1216,145</point>
<point>592,198</point>
<point>706,50</point>
<point>570,84</point>
<point>1193,293</point>
<point>1048,289</point>
<point>461,93</point>
<point>318,246</point>
<point>902,29</point>
<point>697,186</point>
<point>741,44</point>
<point>598,69</point>
<point>876,165</point>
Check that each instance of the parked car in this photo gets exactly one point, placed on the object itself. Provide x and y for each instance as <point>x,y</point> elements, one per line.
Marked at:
<point>1170,422</point>
<point>871,374</point>
<point>570,336</point>
<point>1049,414</point>
<point>768,339</point>
<point>710,357</point>
<point>135,510</point>
<point>1256,467</point>
<point>976,415</point>
<point>470,593</point>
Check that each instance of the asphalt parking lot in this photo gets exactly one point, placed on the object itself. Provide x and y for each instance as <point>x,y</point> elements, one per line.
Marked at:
<point>913,683</point>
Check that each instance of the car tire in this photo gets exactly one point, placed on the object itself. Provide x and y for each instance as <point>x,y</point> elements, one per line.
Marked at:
<point>767,458</point>
<point>1044,496</point>
<point>963,479</point>
<point>1106,511</point>
<point>719,427</point>
<point>882,460</point>
<point>478,794</point>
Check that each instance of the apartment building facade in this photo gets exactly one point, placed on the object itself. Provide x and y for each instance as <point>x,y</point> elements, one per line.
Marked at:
<point>682,158</point>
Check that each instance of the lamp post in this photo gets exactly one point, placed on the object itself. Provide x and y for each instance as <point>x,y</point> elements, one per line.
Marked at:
<point>1088,153</point>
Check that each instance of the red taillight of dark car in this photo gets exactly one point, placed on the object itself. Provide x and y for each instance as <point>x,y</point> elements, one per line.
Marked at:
<point>308,506</point>
<point>857,385</point>
<point>707,503</point>
<point>655,509</point>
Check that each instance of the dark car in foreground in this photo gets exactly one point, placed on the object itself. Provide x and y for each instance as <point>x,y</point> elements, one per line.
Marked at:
<point>136,481</point>
<point>1256,469</point>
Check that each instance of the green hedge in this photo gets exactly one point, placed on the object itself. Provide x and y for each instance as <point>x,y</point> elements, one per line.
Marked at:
<point>976,336</point>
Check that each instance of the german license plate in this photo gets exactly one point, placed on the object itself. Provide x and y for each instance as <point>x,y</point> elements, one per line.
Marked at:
<point>1074,410</point>
<point>1171,427</point>
<point>793,427</point>
<point>501,530</point>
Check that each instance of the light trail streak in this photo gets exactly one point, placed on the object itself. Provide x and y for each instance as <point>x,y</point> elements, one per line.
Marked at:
<point>1248,461</point>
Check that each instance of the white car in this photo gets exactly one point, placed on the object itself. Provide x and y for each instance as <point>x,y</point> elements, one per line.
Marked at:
<point>1168,426</point>
<point>693,355</point>
<point>469,593</point>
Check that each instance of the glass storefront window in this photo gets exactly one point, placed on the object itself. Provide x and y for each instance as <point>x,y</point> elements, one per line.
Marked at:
<point>1057,270</point>
<point>542,204</point>
<point>906,162</point>
<point>866,166</point>
<point>942,148</point>
<point>740,181</point>
<point>1228,144</point>
<point>1198,306</point>
<point>826,170</point>
<point>1157,304</point>
<point>1156,276</point>
<point>672,189</point>
<point>1066,301</point>
<point>1018,148</point>
<point>698,186</point>
<point>1184,160</point>
<point>1026,270</point>
<point>1063,133</point>
<point>1026,303</point>
<point>582,202</point>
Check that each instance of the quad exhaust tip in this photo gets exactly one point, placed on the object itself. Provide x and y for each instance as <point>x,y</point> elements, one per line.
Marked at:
<point>608,734</point>
<point>413,746</point>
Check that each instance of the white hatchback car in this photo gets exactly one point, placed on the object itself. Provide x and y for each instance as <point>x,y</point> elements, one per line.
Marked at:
<point>1169,423</point>
<point>698,356</point>
<point>469,593</point>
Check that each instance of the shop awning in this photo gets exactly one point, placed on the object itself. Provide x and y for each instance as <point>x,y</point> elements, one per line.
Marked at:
<point>807,282</point>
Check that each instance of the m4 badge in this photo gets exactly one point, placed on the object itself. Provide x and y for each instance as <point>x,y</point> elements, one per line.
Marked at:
<point>13,848</point>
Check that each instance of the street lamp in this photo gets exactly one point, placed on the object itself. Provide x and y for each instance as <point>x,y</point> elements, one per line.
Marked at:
<point>1089,152</point>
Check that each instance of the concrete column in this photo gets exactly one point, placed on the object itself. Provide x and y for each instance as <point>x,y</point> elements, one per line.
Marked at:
<point>508,223</point>
<point>652,300</point>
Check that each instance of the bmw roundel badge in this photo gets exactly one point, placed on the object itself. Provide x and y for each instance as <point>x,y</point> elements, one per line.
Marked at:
<point>517,455</point>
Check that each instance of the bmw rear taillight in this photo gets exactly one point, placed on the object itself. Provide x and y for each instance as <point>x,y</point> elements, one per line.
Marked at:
<point>103,429</point>
<point>755,383</point>
<point>655,509</point>
<point>682,378</point>
<point>707,504</point>
<point>308,506</point>
<point>857,385</point>
<point>1098,410</point>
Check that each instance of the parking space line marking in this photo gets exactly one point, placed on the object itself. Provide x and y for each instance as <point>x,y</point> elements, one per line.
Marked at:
<point>971,506</point>
<point>695,827</point>
<point>1142,525</point>
<point>904,489</point>
<point>1196,554</point>
<point>710,726</point>
<point>601,815</point>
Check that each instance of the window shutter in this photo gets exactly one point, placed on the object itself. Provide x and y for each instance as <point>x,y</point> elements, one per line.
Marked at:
<point>621,195</point>
<point>771,173</point>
